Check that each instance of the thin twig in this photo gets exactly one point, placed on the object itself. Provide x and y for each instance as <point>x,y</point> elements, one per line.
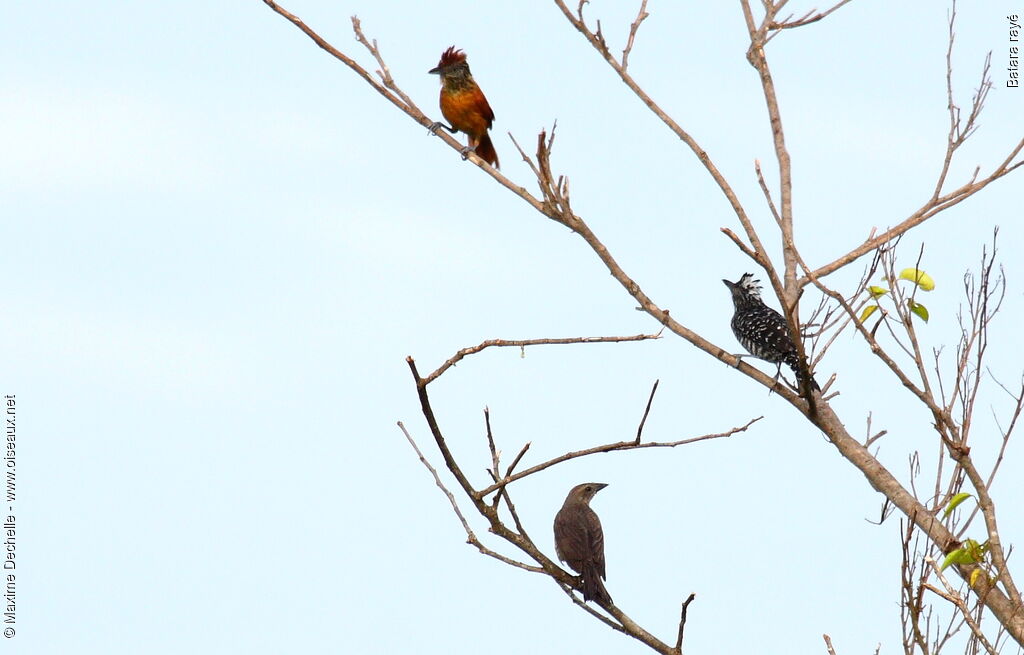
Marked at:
<point>590,610</point>
<point>494,471</point>
<point>384,71</point>
<point>640,430</point>
<point>930,208</point>
<point>522,343</point>
<point>1015,416</point>
<point>766,192</point>
<point>640,16</point>
<point>597,41</point>
<point>490,443</point>
<point>828,645</point>
<point>807,19</point>
<point>785,289</point>
<point>952,596</point>
<point>515,461</point>
<point>758,259</point>
<point>608,448</point>
<point>869,438</point>
<point>682,621</point>
<point>471,537</point>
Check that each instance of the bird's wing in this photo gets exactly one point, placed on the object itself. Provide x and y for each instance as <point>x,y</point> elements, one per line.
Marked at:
<point>596,537</point>
<point>572,538</point>
<point>781,337</point>
<point>484,108</point>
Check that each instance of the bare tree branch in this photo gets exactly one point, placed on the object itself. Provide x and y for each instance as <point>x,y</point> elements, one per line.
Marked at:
<point>471,537</point>
<point>786,292</point>
<point>520,539</point>
<point>522,343</point>
<point>929,209</point>
<point>613,447</point>
<point>640,16</point>
<point>647,410</point>
<point>597,41</point>
<point>682,621</point>
<point>828,645</point>
<point>807,19</point>
<point>952,596</point>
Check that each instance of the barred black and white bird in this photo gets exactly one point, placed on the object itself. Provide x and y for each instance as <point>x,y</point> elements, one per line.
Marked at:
<point>761,329</point>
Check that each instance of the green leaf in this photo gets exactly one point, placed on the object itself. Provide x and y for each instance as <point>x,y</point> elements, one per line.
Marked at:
<point>958,556</point>
<point>918,277</point>
<point>868,311</point>
<point>954,556</point>
<point>918,309</point>
<point>970,553</point>
<point>954,502</point>
<point>877,292</point>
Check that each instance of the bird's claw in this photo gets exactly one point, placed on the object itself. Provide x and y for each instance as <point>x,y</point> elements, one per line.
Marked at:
<point>434,127</point>
<point>465,152</point>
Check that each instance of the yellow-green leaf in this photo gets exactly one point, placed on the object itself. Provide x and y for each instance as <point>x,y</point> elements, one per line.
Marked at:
<point>918,309</point>
<point>958,556</point>
<point>877,292</point>
<point>954,502</point>
<point>974,576</point>
<point>918,277</point>
<point>965,555</point>
<point>868,311</point>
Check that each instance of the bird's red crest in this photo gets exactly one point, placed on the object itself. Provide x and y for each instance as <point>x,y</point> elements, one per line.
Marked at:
<point>450,57</point>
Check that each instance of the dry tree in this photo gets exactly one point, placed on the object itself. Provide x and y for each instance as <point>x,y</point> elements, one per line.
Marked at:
<point>941,562</point>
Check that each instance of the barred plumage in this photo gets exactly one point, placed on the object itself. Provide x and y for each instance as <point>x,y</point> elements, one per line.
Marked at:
<point>761,329</point>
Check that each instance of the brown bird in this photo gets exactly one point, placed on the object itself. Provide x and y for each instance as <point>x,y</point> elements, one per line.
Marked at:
<point>579,540</point>
<point>464,106</point>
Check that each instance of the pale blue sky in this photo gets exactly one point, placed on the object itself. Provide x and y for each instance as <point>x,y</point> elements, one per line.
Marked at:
<point>219,245</point>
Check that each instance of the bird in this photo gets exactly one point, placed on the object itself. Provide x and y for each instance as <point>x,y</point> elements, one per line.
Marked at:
<point>464,105</point>
<point>761,329</point>
<point>579,540</point>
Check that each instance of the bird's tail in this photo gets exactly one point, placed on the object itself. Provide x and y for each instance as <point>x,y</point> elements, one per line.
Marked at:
<point>485,150</point>
<point>800,377</point>
<point>593,587</point>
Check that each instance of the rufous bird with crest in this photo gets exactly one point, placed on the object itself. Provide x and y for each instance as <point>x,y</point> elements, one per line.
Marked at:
<point>464,105</point>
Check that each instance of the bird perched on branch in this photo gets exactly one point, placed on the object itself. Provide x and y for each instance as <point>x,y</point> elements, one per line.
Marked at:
<point>464,106</point>
<point>761,329</point>
<point>579,540</point>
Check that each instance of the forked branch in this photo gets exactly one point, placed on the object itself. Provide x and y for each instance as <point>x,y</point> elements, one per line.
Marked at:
<point>518,536</point>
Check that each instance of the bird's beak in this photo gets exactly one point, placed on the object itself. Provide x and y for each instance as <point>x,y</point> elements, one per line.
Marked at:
<point>436,70</point>
<point>600,486</point>
<point>729,284</point>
